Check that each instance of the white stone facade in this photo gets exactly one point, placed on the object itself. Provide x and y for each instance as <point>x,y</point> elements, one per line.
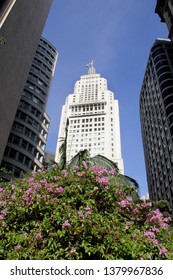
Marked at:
<point>93,120</point>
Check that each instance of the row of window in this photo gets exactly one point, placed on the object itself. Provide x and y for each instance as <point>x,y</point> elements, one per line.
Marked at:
<point>47,45</point>
<point>42,65</point>
<point>40,72</point>
<point>34,98</point>
<point>45,51</point>
<point>25,130</point>
<point>12,153</point>
<point>87,130</point>
<point>25,105</point>
<point>44,58</point>
<point>38,80</point>
<point>36,89</point>
<point>99,119</point>
<point>87,125</point>
<point>14,171</point>
<point>88,107</point>
<point>28,120</point>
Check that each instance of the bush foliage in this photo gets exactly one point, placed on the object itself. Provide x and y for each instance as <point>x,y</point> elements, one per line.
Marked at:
<point>83,213</point>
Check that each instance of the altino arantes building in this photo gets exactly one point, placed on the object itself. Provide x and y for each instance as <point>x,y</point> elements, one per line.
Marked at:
<point>93,115</point>
<point>21,26</point>
<point>25,148</point>
<point>156,113</point>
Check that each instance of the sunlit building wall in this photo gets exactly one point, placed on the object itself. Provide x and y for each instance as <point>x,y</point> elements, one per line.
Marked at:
<point>94,123</point>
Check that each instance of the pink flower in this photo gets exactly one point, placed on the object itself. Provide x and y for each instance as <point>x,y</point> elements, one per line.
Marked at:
<point>149,204</point>
<point>167,220</point>
<point>4,211</point>
<point>80,174</point>
<point>66,224</point>
<point>85,164</point>
<point>112,172</point>
<point>163,251</point>
<point>88,213</point>
<point>149,234</point>
<point>155,229</point>
<point>64,203</point>
<point>65,173</point>
<point>135,210</point>
<point>87,208</point>
<point>74,168</point>
<point>31,180</point>
<point>99,170</point>
<point>1,190</point>
<point>155,242</point>
<point>49,187</point>
<point>43,182</point>
<point>39,235</point>
<point>150,255</point>
<point>80,214</point>
<point>37,224</point>
<point>125,202</point>
<point>13,197</point>
<point>95,188</point>
<point>159,215</point>
<point>103,180</point>
<point>54,199</point>
<point>1,217</point>
<point>134,235</point>
<point>73,251</point>
<point>59,190</point>
<point>25,198</point>
<point>2,203</point>
<point>4,224</point>
<point>164,225</point>
<point>18,246</point>
<point>30,191</point>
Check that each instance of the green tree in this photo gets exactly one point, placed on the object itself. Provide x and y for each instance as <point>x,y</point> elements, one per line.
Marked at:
<point>63,148</point>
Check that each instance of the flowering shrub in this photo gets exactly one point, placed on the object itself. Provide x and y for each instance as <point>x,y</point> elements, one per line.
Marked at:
<point>84,213</point>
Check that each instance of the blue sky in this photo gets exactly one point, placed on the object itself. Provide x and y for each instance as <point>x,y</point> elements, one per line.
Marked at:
<point>118,35</point>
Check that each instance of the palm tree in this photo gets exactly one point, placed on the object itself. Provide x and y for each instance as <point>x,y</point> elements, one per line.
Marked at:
<point>63,148</point>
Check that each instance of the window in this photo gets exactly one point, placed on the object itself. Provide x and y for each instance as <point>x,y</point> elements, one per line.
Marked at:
<point>24,144</point>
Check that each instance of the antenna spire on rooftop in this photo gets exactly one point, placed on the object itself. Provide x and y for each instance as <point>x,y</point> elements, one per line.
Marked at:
<point>91,69</point>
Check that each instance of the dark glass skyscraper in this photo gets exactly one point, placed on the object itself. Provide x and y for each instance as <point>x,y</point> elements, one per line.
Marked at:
<point>164,8</point>
<point>26,144</point>
<point>156,113</point>
<point>21,26</point>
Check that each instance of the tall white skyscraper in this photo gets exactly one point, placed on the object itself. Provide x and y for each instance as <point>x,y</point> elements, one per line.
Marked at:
<point>93,119</point>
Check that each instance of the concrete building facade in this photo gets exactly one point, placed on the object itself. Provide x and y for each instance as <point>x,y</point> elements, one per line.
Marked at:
<point>25,148</point>
<point>21,26</point>
<point>156,113</point>
<point>93,115</point>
